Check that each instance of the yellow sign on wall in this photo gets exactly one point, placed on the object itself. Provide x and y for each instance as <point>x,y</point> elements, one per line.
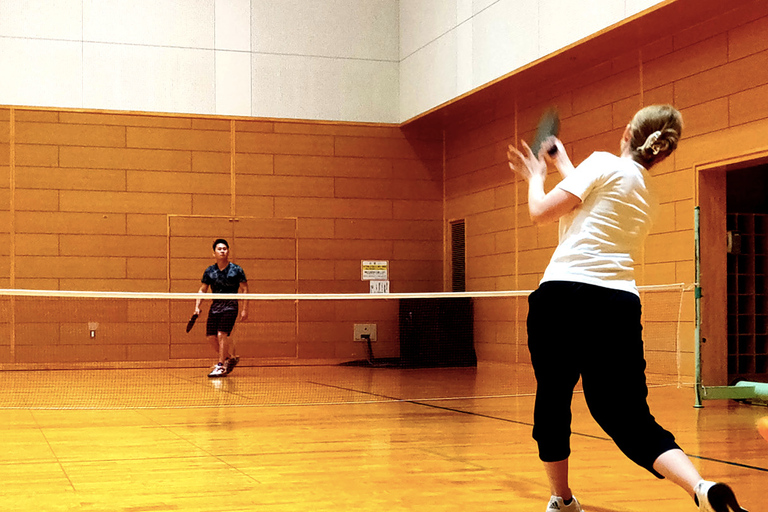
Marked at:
<point>374,270</point>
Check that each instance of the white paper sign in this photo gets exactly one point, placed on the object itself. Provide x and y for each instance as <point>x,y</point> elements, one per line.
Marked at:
<point>379,286</point>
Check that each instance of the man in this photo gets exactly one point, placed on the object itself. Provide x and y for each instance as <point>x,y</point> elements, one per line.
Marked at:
<point>223,277</point>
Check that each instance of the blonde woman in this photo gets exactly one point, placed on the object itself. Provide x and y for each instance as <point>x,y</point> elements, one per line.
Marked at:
<point>584,319</point>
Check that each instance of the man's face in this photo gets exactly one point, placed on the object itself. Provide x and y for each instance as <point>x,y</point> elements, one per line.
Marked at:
<point>221,252</point>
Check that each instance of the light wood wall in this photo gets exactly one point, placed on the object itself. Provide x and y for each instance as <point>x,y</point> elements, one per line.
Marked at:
<point>712,64</point>
<point>132,202</point>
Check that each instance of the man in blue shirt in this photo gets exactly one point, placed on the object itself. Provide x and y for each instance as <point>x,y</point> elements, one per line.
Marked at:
<point>223,277</point>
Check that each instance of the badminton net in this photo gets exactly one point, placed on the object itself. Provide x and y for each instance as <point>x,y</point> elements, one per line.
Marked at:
<point>130,350</point>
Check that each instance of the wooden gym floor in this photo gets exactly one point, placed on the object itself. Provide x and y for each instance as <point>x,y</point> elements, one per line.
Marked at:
<point>334,438</point>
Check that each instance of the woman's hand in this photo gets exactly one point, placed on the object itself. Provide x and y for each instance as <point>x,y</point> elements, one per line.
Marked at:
<point>542,207</point>
<point>553,152</point>
<point>526,164</point>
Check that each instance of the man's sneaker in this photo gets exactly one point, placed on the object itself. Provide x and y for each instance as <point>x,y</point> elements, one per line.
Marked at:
<point>230,363</point>
<point>716,497</point>
<point>556,505</point>
<point>218,371</point>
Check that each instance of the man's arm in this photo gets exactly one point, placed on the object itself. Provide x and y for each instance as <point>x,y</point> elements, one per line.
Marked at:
<point>244,303</point>
<point>203,289</point>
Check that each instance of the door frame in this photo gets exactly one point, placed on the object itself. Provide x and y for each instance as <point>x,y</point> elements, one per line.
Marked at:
<point>711,198</point>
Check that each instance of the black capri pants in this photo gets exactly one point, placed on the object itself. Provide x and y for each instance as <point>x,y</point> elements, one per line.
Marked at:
<point>581,330</point>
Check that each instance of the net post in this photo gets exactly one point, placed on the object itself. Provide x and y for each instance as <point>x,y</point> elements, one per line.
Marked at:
<point>697,299</point>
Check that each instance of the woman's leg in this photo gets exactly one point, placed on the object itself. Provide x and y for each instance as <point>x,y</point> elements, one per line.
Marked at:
<point>552,347</point>
<point>614,381</point>
<point>557,474</point>
<point>709,496</point>
<point>678,468</point>
<point>616,392</point>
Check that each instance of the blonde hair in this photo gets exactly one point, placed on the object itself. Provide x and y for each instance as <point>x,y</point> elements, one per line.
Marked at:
<point>654,133</point>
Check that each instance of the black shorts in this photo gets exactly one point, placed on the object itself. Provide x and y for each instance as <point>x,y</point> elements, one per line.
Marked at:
<point>223,321</point>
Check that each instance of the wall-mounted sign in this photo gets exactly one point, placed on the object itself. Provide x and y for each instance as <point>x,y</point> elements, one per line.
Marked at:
<point>374,270</point>
<point>379,286</point>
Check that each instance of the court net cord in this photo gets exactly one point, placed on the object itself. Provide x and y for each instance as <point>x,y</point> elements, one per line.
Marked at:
<point>16,292</point>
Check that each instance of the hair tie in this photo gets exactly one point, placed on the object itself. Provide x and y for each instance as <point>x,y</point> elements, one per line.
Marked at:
<point>652,143</point>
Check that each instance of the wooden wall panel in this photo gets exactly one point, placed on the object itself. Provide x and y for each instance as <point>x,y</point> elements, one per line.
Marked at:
<point>188,140</point>
<point>96,195</point>
<point>70,179</point>
<point>713,70</point>
<point>285,144</point>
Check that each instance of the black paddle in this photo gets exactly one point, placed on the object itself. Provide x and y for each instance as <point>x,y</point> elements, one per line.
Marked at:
<point>549,126</point>
<point>191,322</point>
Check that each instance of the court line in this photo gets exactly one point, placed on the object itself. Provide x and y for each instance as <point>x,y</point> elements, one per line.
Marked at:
<point>450,409</point>
<point>730,463</point>
<point>55,454</point>
<point>507,420</point>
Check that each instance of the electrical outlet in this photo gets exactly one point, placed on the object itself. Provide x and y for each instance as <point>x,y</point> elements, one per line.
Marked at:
<point>92,326</point>
<point>365,329</point>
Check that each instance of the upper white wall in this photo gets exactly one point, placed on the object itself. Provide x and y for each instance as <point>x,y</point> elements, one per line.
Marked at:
<point>353,60</point>
<point>329,59</point>
<point>450,47</point>
<point>325,59</point>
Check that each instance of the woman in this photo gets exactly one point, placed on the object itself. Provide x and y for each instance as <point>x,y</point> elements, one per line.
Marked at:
<point>604,207</point>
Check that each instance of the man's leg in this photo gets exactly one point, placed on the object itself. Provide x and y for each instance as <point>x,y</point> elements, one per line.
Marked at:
<point>223,346</point>
<point>227,343</point>
<point>232,347</point>
<point>219,344</point>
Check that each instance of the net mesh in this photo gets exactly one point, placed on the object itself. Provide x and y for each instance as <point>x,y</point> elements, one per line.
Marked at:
<point>131,350</point>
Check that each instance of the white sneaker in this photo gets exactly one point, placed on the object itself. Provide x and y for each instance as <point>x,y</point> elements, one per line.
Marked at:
<point>556,504</point>
<point>716,497</point>
<point>218,371</point>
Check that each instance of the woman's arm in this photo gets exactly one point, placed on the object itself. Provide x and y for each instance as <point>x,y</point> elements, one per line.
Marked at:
<point>550,207</point>
<point>542,207</point>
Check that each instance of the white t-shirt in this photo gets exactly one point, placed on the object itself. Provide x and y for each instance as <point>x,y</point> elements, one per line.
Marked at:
<point>599,239</point>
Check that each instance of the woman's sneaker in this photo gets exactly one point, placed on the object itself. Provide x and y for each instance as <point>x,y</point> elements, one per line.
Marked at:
<point>218,371</point>
<point>716,497</point>
<point>556,504</point>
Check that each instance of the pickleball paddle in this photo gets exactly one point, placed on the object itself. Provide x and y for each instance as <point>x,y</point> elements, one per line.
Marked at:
<point>549,126</point>
<point>191,322</point>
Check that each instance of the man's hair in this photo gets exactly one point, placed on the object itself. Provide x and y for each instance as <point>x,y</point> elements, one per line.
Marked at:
<point>220,241</point>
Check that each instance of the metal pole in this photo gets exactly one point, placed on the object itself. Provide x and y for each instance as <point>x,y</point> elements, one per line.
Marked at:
<point>697,298</point>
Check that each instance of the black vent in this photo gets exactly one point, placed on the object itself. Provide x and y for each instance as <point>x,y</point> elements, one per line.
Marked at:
<point>458,264</point>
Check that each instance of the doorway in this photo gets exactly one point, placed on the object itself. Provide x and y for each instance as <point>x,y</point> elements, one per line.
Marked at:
<point>733,203</point>
<point>747,252</point>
